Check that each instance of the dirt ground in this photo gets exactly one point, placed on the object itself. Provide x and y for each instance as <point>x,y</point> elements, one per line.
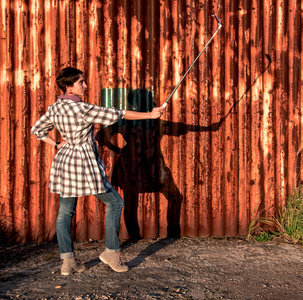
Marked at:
<point>186,268</point>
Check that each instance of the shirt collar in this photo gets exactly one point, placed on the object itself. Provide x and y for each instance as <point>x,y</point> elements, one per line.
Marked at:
<point>71,97</point>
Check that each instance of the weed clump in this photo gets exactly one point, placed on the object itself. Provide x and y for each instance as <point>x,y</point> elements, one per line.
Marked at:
<point>289,221</point>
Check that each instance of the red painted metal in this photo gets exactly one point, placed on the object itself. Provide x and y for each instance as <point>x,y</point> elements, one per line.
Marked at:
<point>223,152</point>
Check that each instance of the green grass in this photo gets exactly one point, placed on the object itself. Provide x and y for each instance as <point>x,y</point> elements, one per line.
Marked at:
<point>255,227</point>
<point>288,221</point>
<point>266,236</point>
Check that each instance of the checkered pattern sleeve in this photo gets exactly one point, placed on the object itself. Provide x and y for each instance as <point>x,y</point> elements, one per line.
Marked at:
<point>94,114</point>
<point>42,127</point>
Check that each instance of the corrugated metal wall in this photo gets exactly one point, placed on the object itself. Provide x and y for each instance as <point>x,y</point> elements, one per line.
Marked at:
<point>223,151</point>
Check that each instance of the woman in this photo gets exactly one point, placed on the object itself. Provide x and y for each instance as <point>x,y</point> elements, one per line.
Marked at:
<point>77,169</point>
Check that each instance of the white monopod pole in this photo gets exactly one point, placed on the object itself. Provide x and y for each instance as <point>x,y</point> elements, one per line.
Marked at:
<point>219,27</point>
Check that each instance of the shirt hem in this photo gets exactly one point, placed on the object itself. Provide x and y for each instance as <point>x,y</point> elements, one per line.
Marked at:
<point>81,194</point>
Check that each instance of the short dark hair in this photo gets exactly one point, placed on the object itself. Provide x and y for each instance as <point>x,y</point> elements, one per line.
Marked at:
<point>67,77</point>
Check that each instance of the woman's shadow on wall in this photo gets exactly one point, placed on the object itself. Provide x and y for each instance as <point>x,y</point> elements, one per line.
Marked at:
<point>140,161</point>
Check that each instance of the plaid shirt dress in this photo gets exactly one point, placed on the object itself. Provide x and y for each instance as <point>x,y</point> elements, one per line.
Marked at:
<point>77,169</point>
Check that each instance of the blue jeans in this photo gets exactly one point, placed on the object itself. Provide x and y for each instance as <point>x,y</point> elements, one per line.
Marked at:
<point>67,209</point>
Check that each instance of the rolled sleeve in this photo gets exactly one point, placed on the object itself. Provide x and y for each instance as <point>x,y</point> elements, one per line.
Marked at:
<point>94,114</point>
<point>42,127</point>
<point>122,114</point>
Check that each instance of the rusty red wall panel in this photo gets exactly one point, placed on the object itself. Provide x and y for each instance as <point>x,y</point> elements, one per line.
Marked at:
<point>268,120</point>
<point>204,137</point>
<point>281,75</point>
<point>221,154</point>
<point>231,96</point>
<point>6,77</point>
<point>300,91</point>
<point>257,64</point>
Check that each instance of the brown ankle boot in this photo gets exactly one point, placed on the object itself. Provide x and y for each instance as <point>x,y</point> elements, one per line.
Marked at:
<point>70,265</point>
<point>113,259</point>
